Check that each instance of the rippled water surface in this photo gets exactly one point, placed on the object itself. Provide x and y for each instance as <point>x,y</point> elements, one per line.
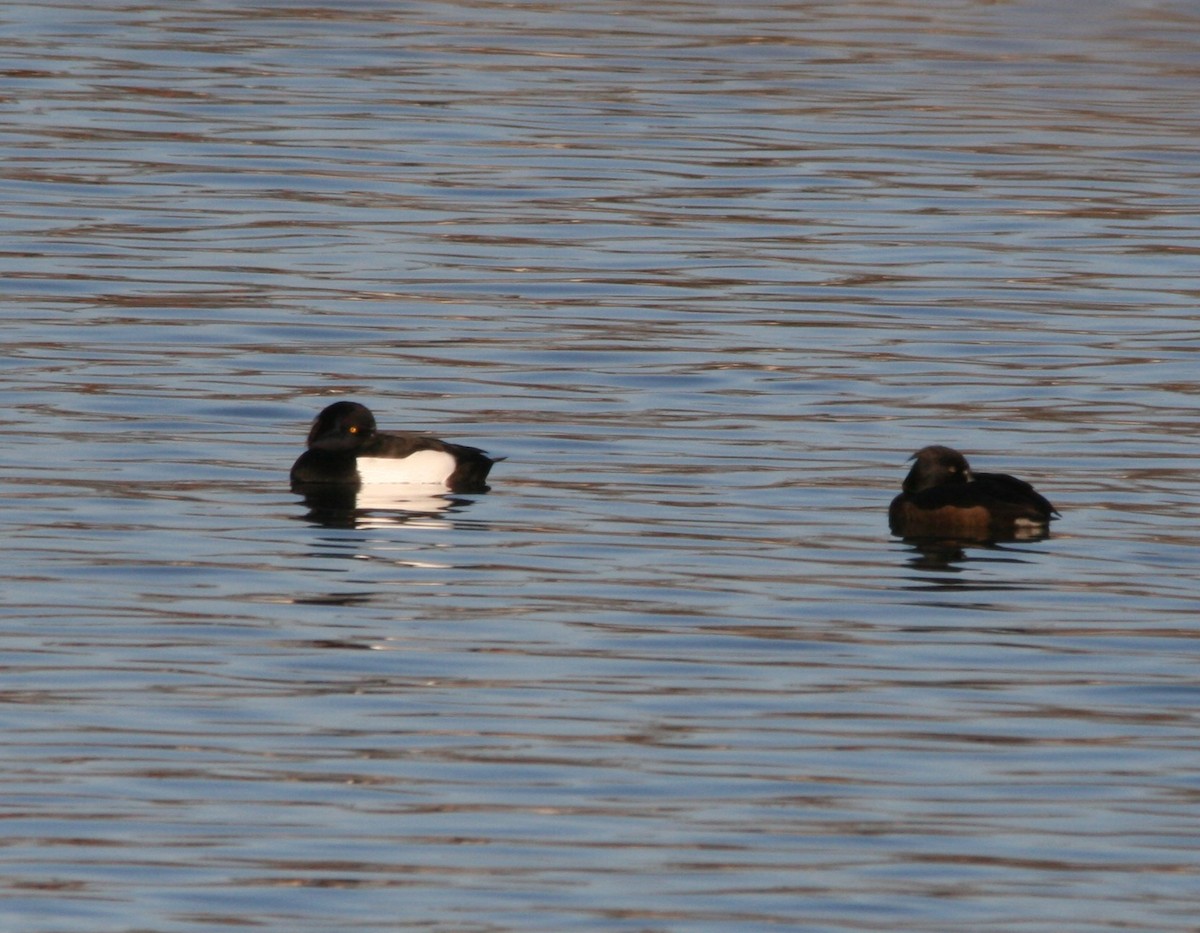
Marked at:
<point>706,274</point>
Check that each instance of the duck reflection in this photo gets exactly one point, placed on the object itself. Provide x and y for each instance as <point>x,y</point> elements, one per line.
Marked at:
<point>944,563</point>
<point>937,553</point>
<point>338,506</point>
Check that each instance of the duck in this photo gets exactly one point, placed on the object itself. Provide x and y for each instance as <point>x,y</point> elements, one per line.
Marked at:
<point>347,451</point>
<point>943,498</point>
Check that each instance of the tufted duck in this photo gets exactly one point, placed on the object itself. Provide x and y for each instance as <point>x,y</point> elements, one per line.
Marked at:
<point>943,498</point>
<point>346,449</point>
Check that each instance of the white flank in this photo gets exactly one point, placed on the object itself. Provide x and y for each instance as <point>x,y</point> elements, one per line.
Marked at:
<point>1027,529</point>
<point>424,468</point>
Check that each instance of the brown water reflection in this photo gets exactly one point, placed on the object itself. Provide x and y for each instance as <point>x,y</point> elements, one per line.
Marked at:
<point>706,275</point>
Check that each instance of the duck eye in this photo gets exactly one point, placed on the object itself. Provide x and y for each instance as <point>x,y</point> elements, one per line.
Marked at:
<point>353,429</point>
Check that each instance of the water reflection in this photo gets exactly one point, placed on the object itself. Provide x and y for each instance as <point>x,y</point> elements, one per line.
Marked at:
<point>961,557</point>
<point>942,551</point>
<point>936,555</point>
<point>338,506</point>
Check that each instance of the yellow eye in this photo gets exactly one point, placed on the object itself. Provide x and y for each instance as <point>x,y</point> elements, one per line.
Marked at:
<point>353,429</point>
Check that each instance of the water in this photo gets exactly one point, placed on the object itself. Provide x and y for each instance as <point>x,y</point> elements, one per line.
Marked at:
<point>706,275</point>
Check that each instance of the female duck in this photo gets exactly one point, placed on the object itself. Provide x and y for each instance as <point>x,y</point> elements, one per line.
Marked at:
<point>346,449</point>
<point>943,498</point>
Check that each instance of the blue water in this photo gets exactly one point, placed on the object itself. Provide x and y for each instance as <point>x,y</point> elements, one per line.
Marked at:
<point>706,276</point>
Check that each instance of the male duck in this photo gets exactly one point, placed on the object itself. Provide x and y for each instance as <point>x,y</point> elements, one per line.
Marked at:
<point>346,449</point>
